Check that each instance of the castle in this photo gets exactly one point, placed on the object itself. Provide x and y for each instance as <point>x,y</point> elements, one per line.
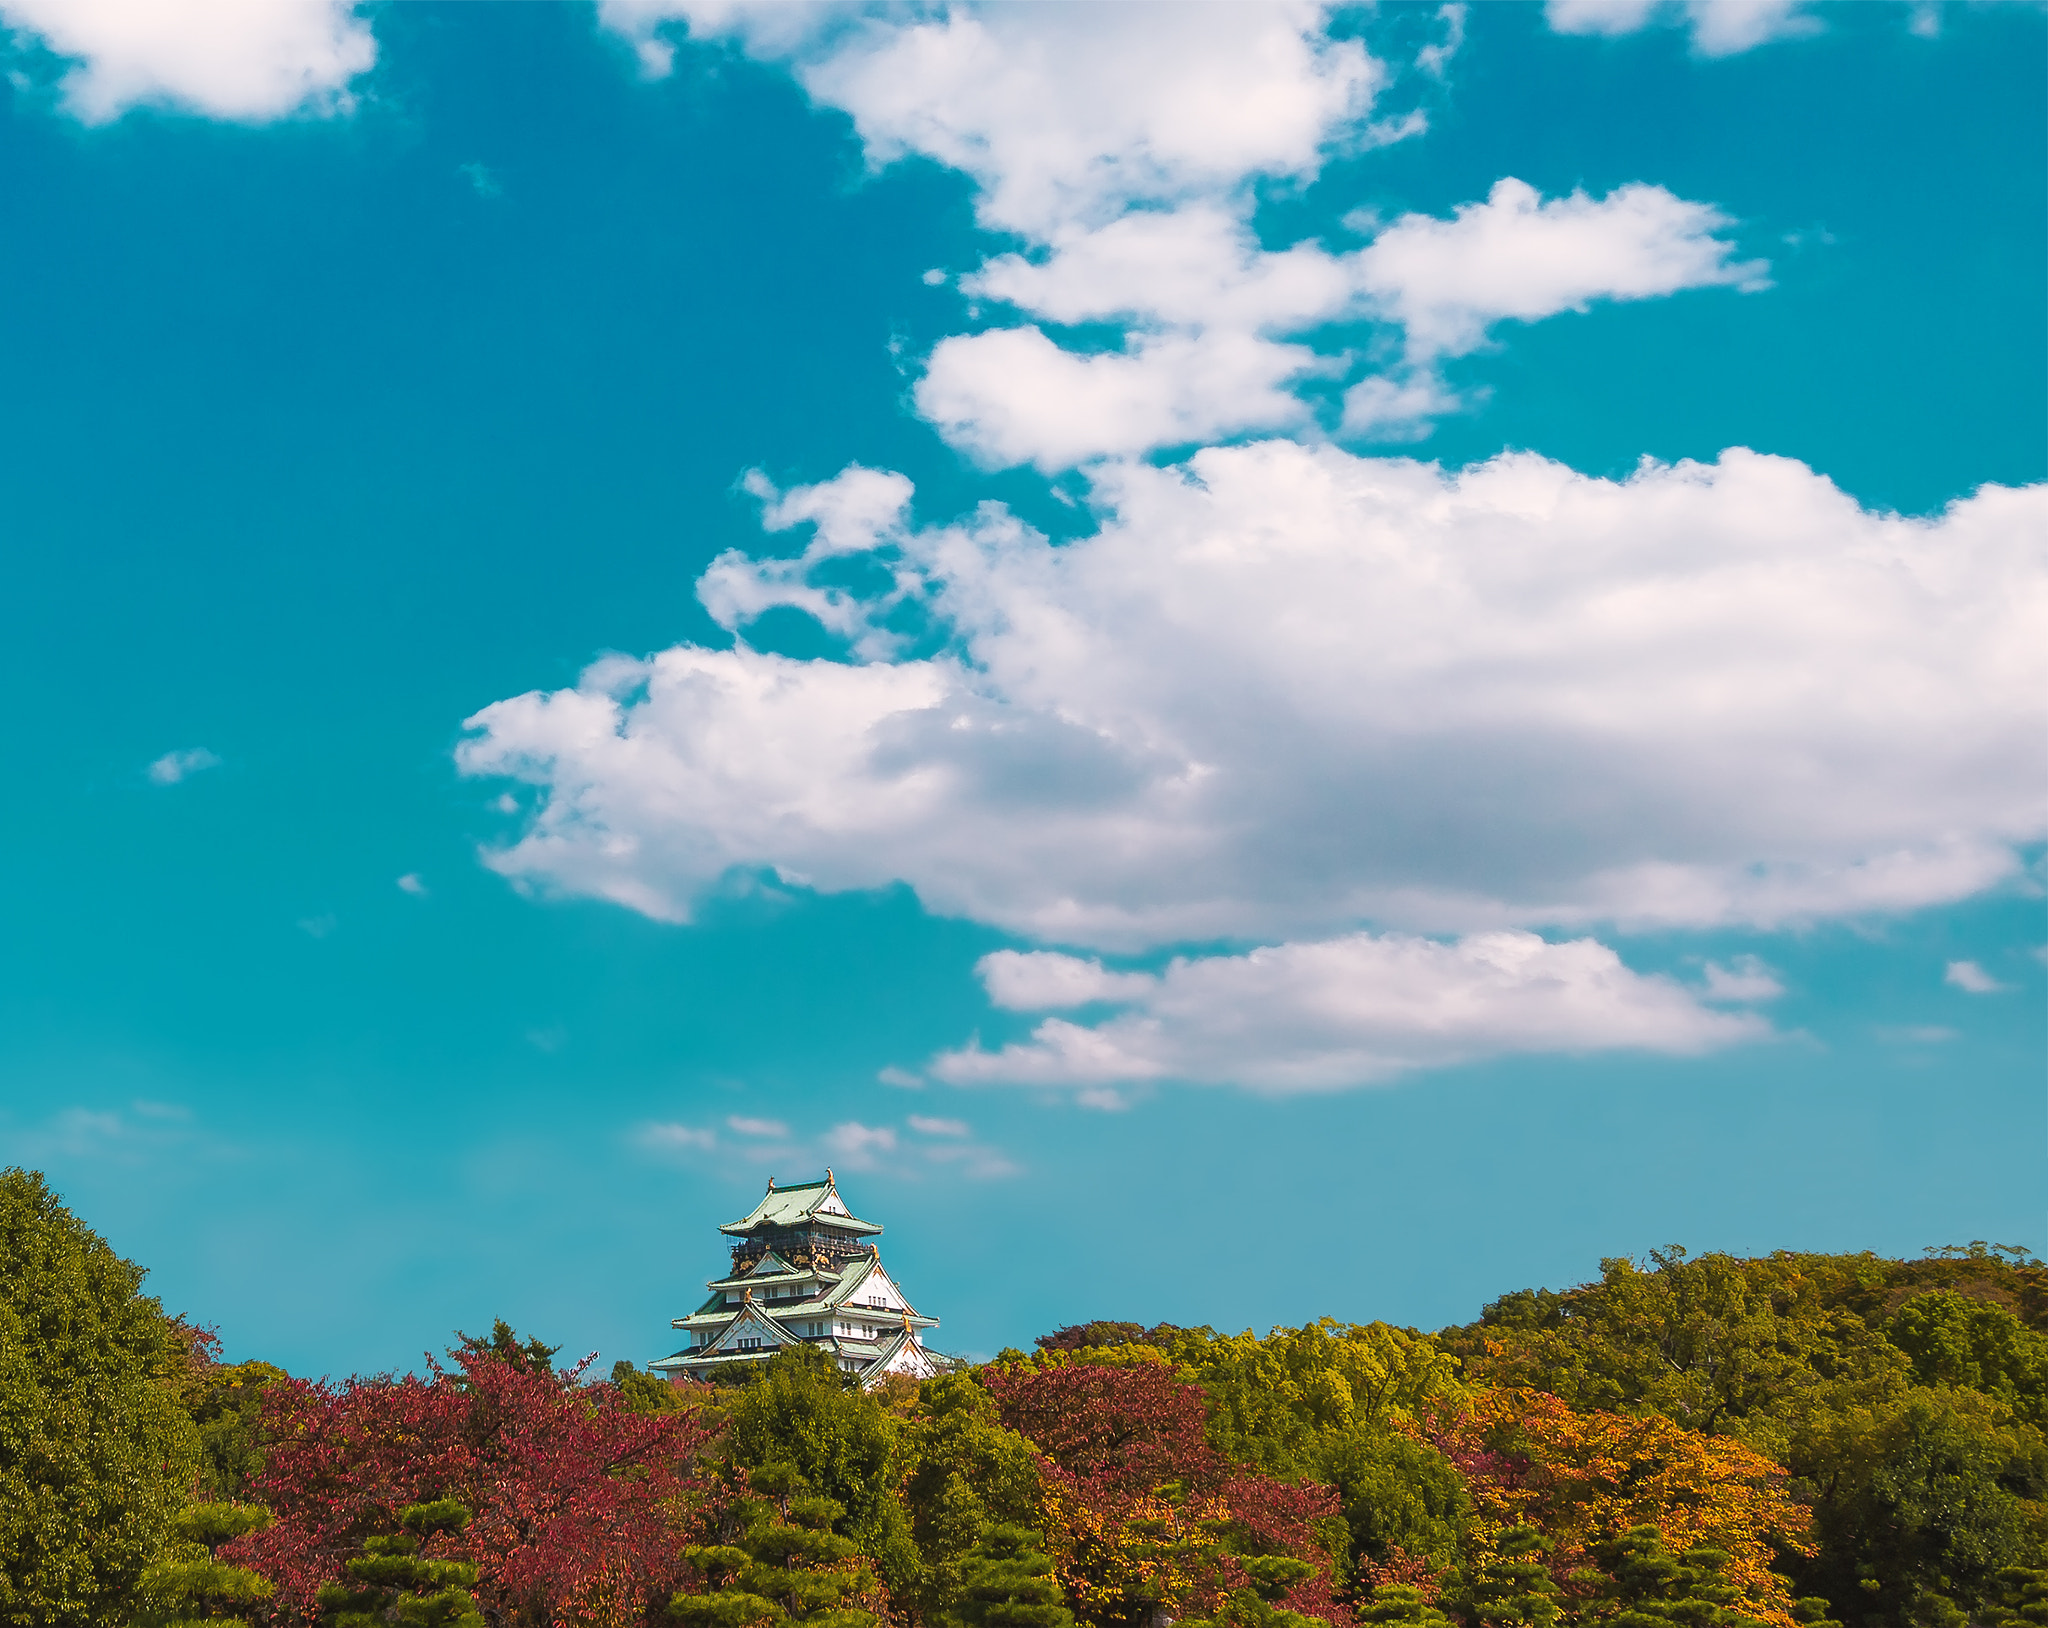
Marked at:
<point>805,1271</point>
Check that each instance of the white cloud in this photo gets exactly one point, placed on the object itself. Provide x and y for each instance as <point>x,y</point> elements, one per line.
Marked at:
<point>855,1146</point>
<point>1354,1011</point>
<point>669,1137</point>
<point>1062,113</point>
<point>411,883</point>
<point>1012,396</point>
<point>1124,153</point>
<point>1971,979</point>
<point>1746,979</point>
<point>318,926</point>
<point>172,767</point>
<point>939,1127</point>
<point>1041,980</point>
<point>1519,257</point>
<point>771,1128</point>
<point>1209,315</point>
<point>246,60</point>
<point>1719,28</point>
<point>1283,692</point>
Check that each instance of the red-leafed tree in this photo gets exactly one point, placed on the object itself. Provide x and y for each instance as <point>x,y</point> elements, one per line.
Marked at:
<point>581,1505</point>
<point>1143,1515</point>
<point>1130,1427</point>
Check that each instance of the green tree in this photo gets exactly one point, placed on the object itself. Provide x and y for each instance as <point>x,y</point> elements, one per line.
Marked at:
<point>1956,1339</point>
<point>1401,1605</point>
<point>391,1582</point>
<point>96,1453</point>
<point>963,1474</point>
<point>787,1564</point>
<point>1400,1496</point>
<point>190,1586</point>
<point>1919,1505</point>
<point>802,1415</point>
<point>644,1392</point>
<point>2021,1600</point>
<point>1007,1582</point>
<point>1514,1587</point>
<point>1650,1587</point>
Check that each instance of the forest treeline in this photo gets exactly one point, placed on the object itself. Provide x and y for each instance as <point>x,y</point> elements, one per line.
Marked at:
<point>1793,1440</point>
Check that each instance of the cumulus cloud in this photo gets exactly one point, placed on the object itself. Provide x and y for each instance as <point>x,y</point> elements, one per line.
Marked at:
<point>1348,1011</point>
<point>772,1129</point>
<point>1718,28</point>
<point>1283,692</point>
<point>1971,979</point>
<point>938,1127</point>
<point>172,767</point>
<point>245,60</point>
<point>1060,113</point>
<point>1127,156</point>
<point>1519,257</point>
<point>1036,980</point>
<point>1214,324</point>
<point>411,883</point>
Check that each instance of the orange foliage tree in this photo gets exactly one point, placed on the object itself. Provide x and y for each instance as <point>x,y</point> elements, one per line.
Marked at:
<point>1585,1477</point>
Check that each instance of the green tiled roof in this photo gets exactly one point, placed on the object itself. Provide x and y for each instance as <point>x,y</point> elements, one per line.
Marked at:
<point>798,1206</point>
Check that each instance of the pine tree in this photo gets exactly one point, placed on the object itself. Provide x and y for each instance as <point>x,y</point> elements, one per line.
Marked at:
<point>787,1565</point>
<point>390,1583</point>
<point>1007,1582</point>
<point>190,1586</point>
<point>1651,1587</point>
<point>1515,1587</point>
<point>2022,1600</point>
<point>1397,1605</point>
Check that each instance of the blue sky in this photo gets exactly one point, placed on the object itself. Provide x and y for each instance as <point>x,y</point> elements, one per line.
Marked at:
<point>1089,735</point>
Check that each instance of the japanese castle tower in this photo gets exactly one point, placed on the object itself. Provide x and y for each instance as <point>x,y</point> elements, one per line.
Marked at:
<point>805,1271</point>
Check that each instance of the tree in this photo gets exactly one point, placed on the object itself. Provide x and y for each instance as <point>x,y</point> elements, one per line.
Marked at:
<point>787,1564</point>
<point>1513,1586</point>
<point>2021,1600</point>
<point>1577,1477</point>
<point>1402,1499</point>
<point>1008,1582</point>
<point>190,1586</point>
<point>803,1415</point>
<point>1401,1605</point>
<point>962,1474</point>
<point>95,1450</point>
<point>225,1401</point>
<point>1954,1339</point>
<point>648,1393</point>
<point>580,1504</point>
<point>1922,1501</point>
<point>393,1581</point>
<point>1650,1587</point>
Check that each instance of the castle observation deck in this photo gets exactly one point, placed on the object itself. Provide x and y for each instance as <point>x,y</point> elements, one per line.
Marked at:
<point>805,1271</point>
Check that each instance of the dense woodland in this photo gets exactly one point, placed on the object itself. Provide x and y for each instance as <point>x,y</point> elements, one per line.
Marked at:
<point>1690,1442</point>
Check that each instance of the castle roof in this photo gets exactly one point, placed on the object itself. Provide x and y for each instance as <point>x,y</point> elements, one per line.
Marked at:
<point>806,1203</point>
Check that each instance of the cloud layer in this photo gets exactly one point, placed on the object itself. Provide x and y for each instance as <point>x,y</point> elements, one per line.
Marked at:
<point>1342,1012</point>
<point>245,60</point>
<point>1285,691</point>
<point>1129,159</point>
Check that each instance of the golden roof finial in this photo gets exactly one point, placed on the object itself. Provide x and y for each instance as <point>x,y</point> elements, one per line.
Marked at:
<point>771,1184</point>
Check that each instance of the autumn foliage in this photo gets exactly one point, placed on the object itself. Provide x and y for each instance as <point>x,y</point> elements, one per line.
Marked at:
<point>581,1507</point>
